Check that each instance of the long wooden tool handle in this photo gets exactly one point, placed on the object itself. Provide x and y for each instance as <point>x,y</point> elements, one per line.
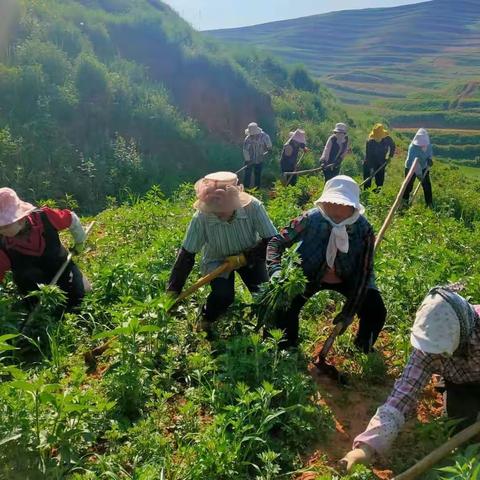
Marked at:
<point>430,460</point>
<point>373,174</point>
<point>203,281</point>
<point>396,204</point>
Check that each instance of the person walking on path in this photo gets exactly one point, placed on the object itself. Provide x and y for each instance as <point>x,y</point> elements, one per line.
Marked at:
<point>446,341</point>
<point>380,149</point>
<point>256,145</point>
<point>334,152</point>
<point>30,247</point>
<point>420,148</point>
<point>336,246</point>
<point>231,226</point>
<point>291,149</point>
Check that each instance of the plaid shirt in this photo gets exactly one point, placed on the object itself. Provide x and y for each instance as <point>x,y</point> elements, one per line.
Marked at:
<point>354,268</point>
<point>462,367</point>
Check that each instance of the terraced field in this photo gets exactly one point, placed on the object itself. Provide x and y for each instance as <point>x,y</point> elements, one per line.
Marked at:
<point>415,65</point>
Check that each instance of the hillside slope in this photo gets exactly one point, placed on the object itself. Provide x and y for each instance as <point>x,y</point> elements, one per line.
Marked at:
<point>368,47</point>
<point>105,98</point>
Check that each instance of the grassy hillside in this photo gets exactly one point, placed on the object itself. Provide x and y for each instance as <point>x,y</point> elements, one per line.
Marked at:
<point>164,403</point>
<point>416,64</point>
<point>106,98</point>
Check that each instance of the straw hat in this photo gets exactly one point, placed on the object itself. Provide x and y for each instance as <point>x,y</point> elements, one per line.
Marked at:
<point>253,129</point>
<point>12,208</point>
<point>220,192</point>
<point>340,128</point>
<point>342,190</point>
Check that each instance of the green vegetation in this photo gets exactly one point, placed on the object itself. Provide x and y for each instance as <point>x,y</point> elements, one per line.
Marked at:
<point>163,403</point>
<point>105,99</point>
<point>414,65</point>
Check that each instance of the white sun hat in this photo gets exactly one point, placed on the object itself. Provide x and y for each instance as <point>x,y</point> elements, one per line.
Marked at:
<point>436,328</point>
<point>298,135</point>
<point>422,138</point>
<point>342,190</point>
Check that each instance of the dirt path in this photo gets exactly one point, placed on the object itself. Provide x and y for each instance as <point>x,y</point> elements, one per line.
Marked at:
<point>448,130</point>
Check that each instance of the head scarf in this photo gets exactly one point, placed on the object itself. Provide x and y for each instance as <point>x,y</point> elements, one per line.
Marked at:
<point>378,133</point>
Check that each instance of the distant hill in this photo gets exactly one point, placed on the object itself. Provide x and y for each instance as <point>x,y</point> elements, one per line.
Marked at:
<point>423,59</point>
<point>366,49</point>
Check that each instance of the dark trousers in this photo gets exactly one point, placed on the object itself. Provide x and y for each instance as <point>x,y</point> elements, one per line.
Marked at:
<point>372,314</point>
<point>256,169</point>
<point>379,176</point>
<point>462,402</point>
<point>223,289</point>
<point>71,282</point>
<point>331,172</point>
<point>291,179</point>
<point>426,185</point>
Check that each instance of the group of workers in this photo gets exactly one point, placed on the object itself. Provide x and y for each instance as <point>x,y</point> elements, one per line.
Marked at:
<point>379,150</point>
<point>336,247</point>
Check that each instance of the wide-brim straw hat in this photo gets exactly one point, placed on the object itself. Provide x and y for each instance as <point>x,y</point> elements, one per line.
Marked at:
<point>342,190</point>
<point>12,208</point>
<point>340,128</point>
<point>298,135</point>
<point>253,129</point>
<point>220,192</point>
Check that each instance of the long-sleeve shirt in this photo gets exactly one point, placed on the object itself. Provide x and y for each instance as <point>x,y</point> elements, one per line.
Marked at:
<point>255,146</point>
<point>312,230</point>
<point>376,152</point>
<point>33,243</point>
<point>219,238</point>
<point>414,151</point>
<point>462,367</point>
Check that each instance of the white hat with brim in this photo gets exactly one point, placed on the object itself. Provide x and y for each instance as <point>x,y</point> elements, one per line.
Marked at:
<point>436,328</point>
<point>219,192</point>
<point>342,190</point>
<point>12,208</point>
<point>422,138</point>
<point>340,128</point>
<point>253,129</point>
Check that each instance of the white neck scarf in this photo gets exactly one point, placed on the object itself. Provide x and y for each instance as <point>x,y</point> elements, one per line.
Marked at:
<point>338,236</point>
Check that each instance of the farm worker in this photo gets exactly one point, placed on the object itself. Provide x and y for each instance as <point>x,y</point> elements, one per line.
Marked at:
<point>231,226</point>
<point>30,246</point>
<point>420,148</point>
<point>380,148</point>
<point>446,341</point>
<point>334,152</point>
<point>288,163</point>
<point>336,248</point>
<point>256,145</point>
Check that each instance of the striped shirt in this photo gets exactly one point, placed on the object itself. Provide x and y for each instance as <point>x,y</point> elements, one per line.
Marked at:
<point>219,238</point>
<point>255,146</point>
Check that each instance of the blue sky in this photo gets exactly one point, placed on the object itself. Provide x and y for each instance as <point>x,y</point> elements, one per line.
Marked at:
<point>212,14</point>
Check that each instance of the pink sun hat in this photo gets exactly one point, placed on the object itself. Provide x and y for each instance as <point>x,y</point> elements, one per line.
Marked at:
<point>12,208</point>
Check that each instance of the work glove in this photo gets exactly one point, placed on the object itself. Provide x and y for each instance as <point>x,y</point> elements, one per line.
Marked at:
<point>236,261</point>
<point>78,248</point>
<point>361,455</point>
<point>345,320</point>
<point>306,149</point>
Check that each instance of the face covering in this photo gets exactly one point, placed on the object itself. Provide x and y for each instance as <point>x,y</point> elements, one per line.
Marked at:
<point>338,236</point>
